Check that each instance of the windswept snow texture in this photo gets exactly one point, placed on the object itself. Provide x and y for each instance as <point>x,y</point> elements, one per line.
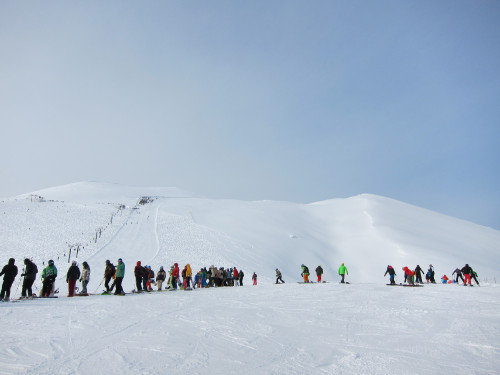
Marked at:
<point>362,328</point>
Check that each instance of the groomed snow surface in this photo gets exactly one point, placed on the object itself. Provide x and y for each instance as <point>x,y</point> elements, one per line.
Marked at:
<point>365,327</point>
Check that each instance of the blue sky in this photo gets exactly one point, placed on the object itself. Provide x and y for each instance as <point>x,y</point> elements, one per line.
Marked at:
<point>283,100</point>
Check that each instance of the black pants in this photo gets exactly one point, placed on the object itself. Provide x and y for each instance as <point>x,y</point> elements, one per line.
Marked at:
<point>138,283</point>
<point>7,284</point>
<point>342,281</point>
<point>118,282</point>
<point>107,279</point>
<point>48,283</point>
<point>279,278</point>
<point>460,277</point>
<point>241,281</point>
<point>419,278</point>
<point>27,284</point>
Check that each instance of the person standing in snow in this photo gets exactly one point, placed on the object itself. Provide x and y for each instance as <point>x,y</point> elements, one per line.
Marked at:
<point>138,273</point>
<point>119,275</point>
<point>278,277</point>
<point>459,274</point>
<point>430,274</point>
<point>236,276</point>
<point>254,278</point>
<point>418,274</point>
<point>109,273</point>
<point>85,278</point>
<point>187,276</point>
<point>160,277</point>
<point>49,275</point>
<point>305,273</point>
<point>342,272</point>
<point>29,278</point>
<point>240,276</point>
<point>9,272</point>
<point>71,277</point>
<point>466,272</point>
<point>391,273</point>
<point>175,275</point>
<point>319,272</point>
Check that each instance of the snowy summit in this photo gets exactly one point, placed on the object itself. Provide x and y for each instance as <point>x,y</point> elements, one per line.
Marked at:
<point>364,327</point>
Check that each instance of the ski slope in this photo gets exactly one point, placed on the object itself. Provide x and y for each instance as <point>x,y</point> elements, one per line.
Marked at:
<point>364,327</point>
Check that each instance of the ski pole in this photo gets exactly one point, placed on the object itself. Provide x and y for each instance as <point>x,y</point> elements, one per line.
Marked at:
<point>99,285</point>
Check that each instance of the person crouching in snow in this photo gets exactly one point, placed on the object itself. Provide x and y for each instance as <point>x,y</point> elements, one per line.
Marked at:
<point>409,275</point>
<point>391,273</point>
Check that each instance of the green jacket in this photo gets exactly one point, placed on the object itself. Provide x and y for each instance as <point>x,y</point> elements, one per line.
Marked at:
<point>120,270</point>
<point>305,270</point>
<point>49,271</point>
<point>343,270</point>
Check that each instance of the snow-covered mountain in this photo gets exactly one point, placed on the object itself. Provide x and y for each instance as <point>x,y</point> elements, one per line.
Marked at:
<point>362,328</point>
<point>366,232</point>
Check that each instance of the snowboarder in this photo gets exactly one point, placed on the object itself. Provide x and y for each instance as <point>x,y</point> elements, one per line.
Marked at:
<point>71,277</point>
<point>319,272</point>
<point>342,272</point>
<point>444,279</point>
<point>473,274</point>
<point>150,278</point>
<point>305,273</point>
<point>418,274</point>
<point>278,277</point>
<point>459,275</point>
<point>466,272</point>
<point>175,275</point>
<point>186,274</point>
<point>109,273</point>
<point>409,275</point>
<point>49,275</point>
<point>391,273</point>
<point>85,278</point>
<point>160,277</point>
<point>254,278</point>
<point>29,278</point>
<point>10,272</point>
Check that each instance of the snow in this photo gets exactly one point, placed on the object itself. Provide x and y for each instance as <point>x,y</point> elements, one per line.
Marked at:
<point>362,328</point>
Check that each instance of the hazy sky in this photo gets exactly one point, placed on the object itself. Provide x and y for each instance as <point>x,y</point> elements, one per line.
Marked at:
<point>282,100</point>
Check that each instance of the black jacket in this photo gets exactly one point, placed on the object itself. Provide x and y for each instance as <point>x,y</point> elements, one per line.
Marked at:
<point>31,270</point>
<point>9,271</point>
<point>73,273</point>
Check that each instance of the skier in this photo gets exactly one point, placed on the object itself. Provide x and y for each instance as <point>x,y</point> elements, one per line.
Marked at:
<point>409,275</point>
<point>71,277</point>
<point>459,274</point>
<point>49,275</point>
<point>391,273</point>
<point>319,272</point>
<point>278,277</point>
<point>473,274</point>
<point>139,271</point>
<point>466,270</point>
<point>119,275</point>
<point>241,275</point>
<point>254,278</point>
<point>109,273</point>
<point>305,273</point>
<point>85,278</point>
<point>10,272</point>
<point>342,272</point>
<point>29,278</point>
<point>418,274</point>
<point>160,277</point>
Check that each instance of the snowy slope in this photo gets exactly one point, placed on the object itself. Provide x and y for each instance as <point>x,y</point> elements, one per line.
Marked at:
<point>362,328</point>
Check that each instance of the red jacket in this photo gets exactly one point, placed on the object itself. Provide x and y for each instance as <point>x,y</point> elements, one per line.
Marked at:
<point>408,271</point>
<point>235,273</point>
<point>175,272</point>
